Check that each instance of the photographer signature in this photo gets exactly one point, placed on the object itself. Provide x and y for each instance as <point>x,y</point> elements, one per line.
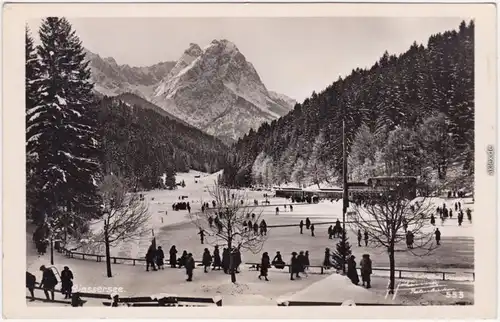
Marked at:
<point>422,287</point>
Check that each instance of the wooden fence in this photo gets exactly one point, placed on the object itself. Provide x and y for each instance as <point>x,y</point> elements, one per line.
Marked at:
<point>77,299</point>
<point>115,260</point>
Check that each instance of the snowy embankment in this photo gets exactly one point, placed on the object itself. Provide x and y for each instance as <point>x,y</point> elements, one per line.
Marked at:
<point>337,288</point>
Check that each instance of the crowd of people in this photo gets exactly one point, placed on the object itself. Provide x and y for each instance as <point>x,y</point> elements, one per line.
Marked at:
<point>229,261</point>
<point>49,282</point>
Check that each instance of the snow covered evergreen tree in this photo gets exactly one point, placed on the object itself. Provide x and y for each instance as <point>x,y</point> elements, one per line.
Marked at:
<point>32,75</point>
<point>337,256</point>
<point>61,127</point>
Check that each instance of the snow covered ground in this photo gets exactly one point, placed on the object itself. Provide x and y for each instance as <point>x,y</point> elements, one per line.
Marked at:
<point>175,228</point>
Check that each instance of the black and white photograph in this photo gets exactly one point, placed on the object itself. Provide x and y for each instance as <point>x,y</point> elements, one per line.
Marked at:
<point>251,161</point>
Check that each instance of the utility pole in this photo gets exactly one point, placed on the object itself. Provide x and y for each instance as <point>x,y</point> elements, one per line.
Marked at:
<point>345,196</point>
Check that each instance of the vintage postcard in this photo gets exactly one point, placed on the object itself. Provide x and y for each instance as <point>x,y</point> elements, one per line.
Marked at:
<point>249,160</point>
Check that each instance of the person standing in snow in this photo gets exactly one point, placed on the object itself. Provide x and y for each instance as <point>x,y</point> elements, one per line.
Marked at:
<point>202,236</point>
<point>263,227</point>
<point>66,282</point>
<point>217,259</point>
<point>159,257</point>
<point>352,272</point>
<point>225,260</point>
<point>49,282</point>
<point>359,237</point>
<point>30,284</point>
<point>312,230</point>
<point>326,261</point>
<point>264,266</point>
<point>308,223</point>
<point>469,215</point>
<point>366,270</point>
<point>438,236</point>
<point>150,258</point>
<point>182,259</point>
<point>190,264</point>
<point>301,226</point>
<point>206,260</point>
<point>173,256</point>
<point>366,238</point>
<point>294,266</point>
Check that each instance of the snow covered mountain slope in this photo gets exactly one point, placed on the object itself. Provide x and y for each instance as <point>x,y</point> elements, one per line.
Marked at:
<point>217,90</point>
<point>214,89</point>
<point>112,79</point>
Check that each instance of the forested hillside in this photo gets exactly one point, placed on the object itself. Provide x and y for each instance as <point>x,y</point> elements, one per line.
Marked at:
<point>142,145</point>
<point>411,114</point>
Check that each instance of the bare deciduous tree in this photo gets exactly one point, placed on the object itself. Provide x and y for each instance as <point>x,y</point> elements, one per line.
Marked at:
<point>227,223</point>
<point>388,218</point>
<point>125,216</point>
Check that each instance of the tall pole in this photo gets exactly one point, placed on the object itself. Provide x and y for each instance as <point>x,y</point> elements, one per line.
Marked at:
<point>345,197</point>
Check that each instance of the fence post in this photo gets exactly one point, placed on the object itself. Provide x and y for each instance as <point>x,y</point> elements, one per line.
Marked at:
<point>444,276</point>
<point>133,262</point>
<point>114,260</point>
<point>83,256</point>
<point>399,273</point>
<point>473,276</point>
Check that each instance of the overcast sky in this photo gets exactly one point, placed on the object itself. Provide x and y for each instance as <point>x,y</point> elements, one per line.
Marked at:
<point>293,56</point>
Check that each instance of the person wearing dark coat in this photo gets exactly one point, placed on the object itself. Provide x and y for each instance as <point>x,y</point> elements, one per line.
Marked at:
<point>330,232</point>
<point>160,256</point>
<point>366,270</point>
<point>173,256</point>
<point>66,282</point>
<point>326,261</point>
<point>210,221</point>
<point>49,282</point>
<point>150,258</point>
<point>182,259</point>
<point>217,259</point>
<point>366,238</point>
<point>438,236</point>
<point>294,266</point>
<point>312,230</point>
<point>237,260</point>
<point>469,215</point>
<point>359,237</point>
<point>30,284</point>
<point>306,260</point>
<point>433,220</point>
<point>308,223</point>
<point>206,260</point>
<point>278,261</point>
<point>250,225</point>
<point>460,218</point>
<point>277,211</point>
<point>225,260</point>
<point>189,267</point>
<point>256,228</point>
<point>213,203</point>
<point>302,262</point>
<point>263,227</point>
<point>301,226</point>
<point>264,266</point>
<point>352,272</point>
<point>202,235</point>
<point>291,208</point>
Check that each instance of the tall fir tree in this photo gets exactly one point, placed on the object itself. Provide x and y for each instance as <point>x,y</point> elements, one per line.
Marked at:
<point>341,250</point>
<point>32,75</point>
<point>62,126</point>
